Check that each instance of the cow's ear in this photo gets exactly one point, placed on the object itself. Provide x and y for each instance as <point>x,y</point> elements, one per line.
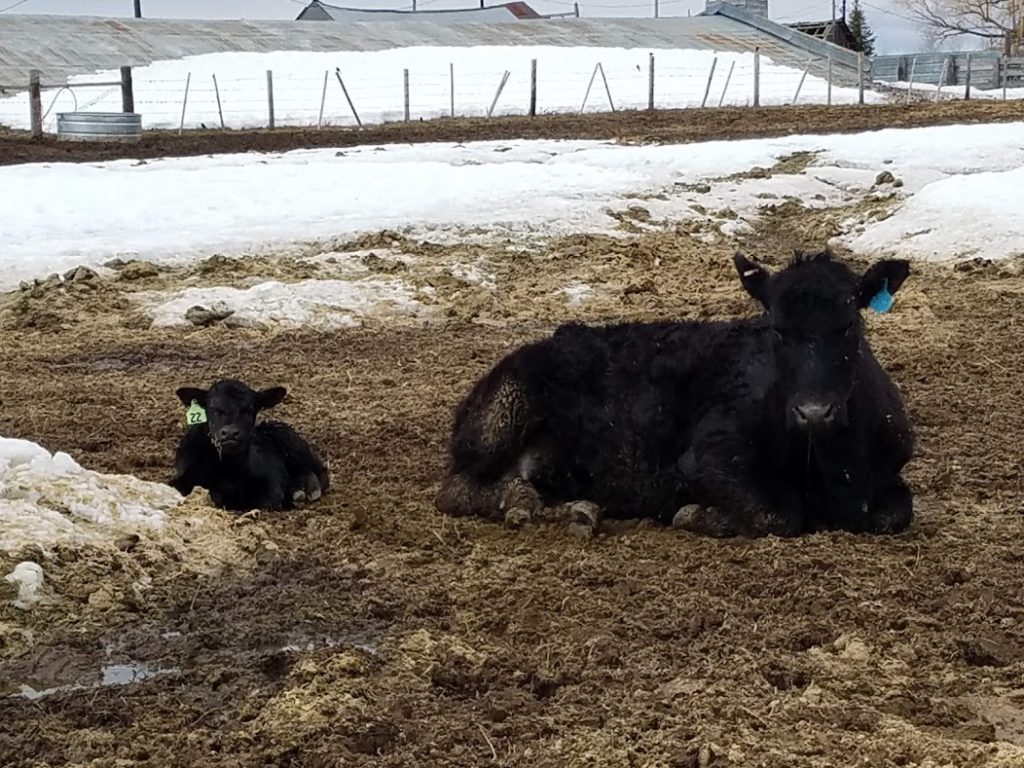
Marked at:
<point>188,394</point>
<point>881,281</point>
<point>268,398</point>
<point>753,276</point>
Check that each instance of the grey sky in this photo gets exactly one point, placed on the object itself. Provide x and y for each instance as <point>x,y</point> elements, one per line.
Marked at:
<point>893,31</point>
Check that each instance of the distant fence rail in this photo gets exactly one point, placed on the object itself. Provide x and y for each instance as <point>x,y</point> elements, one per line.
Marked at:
<point>303,95</point>
<point>988,70</point>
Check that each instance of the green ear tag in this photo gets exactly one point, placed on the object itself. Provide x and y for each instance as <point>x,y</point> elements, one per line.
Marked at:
<point>195,414</point>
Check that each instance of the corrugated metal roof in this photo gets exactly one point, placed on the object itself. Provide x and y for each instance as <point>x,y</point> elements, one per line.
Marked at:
<point>60,46</point>
<point>317,11</point>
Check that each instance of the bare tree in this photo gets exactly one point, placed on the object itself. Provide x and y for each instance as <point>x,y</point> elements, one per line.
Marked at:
<point>999,22</point>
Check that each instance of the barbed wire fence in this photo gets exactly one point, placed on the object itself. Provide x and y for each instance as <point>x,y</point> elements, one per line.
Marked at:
<point>355,98</point>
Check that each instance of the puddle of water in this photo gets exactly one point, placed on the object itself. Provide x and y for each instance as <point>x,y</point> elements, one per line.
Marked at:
<point>110,675</point>
<point>136,672</point>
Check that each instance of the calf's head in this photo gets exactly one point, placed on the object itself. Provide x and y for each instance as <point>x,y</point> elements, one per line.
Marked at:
<point>813,308</point>
<point>231,409</point>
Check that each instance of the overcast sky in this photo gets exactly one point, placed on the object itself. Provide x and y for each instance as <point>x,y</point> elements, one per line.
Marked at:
<point>894,32</point>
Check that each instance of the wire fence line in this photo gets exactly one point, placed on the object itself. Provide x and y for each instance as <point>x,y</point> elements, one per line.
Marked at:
<point>235,99</point>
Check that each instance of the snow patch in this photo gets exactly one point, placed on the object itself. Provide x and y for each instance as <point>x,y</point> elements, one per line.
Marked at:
<point>977,216</point>
<point>316,303</point>
<point>27,577</point>
<point>576,293</point>
<point>58,216</point>
<point>48,498</point>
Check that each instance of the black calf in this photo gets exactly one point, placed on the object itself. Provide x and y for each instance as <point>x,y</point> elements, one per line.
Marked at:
<point>779,424</point>
<point>244,465</point>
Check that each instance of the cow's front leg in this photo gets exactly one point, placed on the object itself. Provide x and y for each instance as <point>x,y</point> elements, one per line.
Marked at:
<point>736,493</point>
<point>844,499</point>
<point>892,508</point>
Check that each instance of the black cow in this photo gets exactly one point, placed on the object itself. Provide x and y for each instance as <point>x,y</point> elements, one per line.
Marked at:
<point>779,424</point>
<point>244,465</point>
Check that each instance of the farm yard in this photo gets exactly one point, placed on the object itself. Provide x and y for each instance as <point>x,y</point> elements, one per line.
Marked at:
<point>367,629</point>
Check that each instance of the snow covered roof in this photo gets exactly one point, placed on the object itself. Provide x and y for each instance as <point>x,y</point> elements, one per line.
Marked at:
<point>318,11</point>
<point>61,46</point>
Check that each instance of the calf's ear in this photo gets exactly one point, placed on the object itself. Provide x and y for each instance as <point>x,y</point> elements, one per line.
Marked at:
<point>886,275</point>
<point>753,276</point>
<point>268,398</point>
<point>188,394</point>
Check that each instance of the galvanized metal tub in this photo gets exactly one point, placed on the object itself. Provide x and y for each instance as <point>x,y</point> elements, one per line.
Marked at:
<point>123,127</point>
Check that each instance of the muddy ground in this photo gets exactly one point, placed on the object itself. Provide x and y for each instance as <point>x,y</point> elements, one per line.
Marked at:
<point>368,630</point>
<point>632,126</point>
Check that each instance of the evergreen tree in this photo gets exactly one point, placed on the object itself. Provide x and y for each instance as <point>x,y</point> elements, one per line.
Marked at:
<point>863,37</point>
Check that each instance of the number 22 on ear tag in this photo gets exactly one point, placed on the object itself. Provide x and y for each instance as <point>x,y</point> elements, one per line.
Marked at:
<point>195,414</point>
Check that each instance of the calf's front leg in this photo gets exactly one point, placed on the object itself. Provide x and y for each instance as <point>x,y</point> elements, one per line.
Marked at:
<point>736,494</point>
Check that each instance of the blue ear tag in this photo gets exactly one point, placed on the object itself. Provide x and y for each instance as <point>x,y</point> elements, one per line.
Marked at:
<point>882,301</point>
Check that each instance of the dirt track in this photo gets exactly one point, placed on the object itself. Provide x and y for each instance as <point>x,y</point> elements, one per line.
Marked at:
<point>660,126</point>
<point>459,643</point>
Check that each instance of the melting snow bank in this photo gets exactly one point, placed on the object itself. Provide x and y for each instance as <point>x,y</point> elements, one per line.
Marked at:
<point>313,303</point>
<point>47,499</point>
<point>189,208</point>
<point>976,216</point>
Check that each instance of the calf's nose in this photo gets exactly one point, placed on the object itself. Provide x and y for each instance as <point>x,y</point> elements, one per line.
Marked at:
<point>228,434</point>
<point>814,415</point>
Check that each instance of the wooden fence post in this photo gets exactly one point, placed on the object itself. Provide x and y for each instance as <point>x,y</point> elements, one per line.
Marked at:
<point>497,94</point>
<point>270,98</point>
<point>910,82</point>
<point>405,89</point>
<point>323,100</point>
<point>728,77</point>
<point>127,90</point>
<point>344,90</point>
<point>451,83</point>
<point>967,83</point>
<point>860,78</point>
<point>650,83</point>
<point>533,87</point>
<point>35,104</point>
<point>803,76</point>
<point>220,110</point>
<point>828,75</point>
<point>707,88</point>
<point>757,77</point>
<point>184,103</point>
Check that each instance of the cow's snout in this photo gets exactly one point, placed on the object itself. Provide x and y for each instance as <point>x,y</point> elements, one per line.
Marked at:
<point>229,434</point>
<point>812,417</point>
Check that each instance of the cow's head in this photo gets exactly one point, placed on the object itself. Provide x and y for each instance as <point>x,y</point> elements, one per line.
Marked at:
<point>813,307</point>
<point>231,409</point>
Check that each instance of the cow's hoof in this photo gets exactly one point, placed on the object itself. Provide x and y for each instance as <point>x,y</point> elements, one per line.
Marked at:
<point>585,513</point>
<point>299,496</point>
<point>519,494</point>
<point>517,517</point>
<point>687,516</point>
<point>706,521</point>
<point>581,530</point>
